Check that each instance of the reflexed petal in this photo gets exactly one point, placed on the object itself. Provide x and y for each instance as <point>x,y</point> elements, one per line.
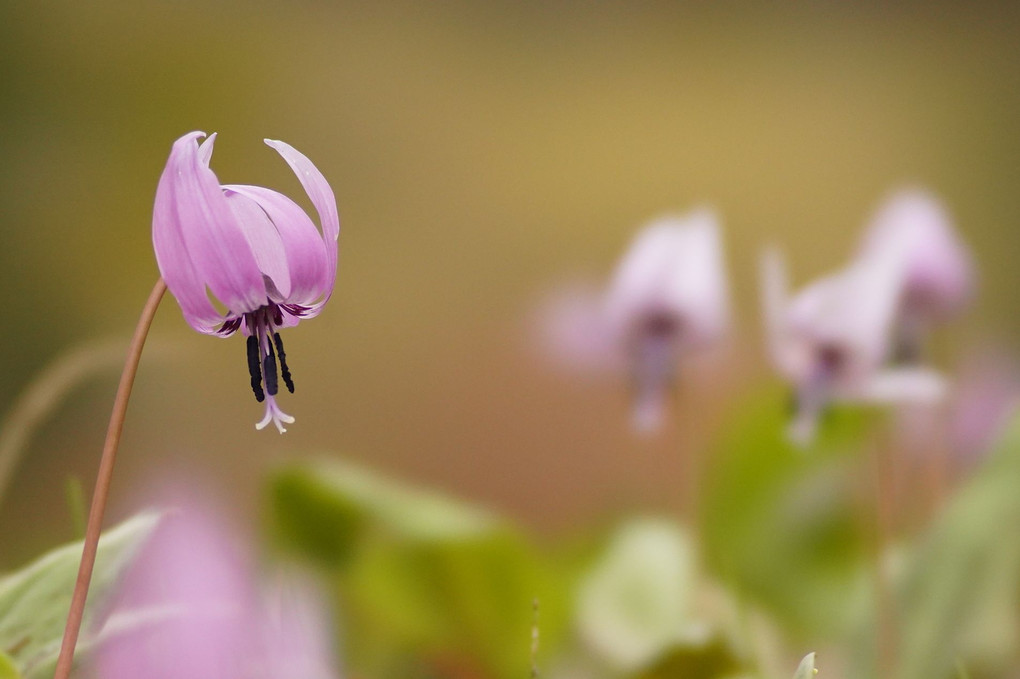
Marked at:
<point>572,330</point>
<point>674,267</point>
<point>172,257</point>
<point>986,395</point>
<point>903,385</point>
<point>852,310</point>
<point>321,195</point>
<point>696,285</point>
<point>299,242</point>
<point>205,149</point>
<point>915,227</point>
<point>265,242</point>
<point>215,242</point>
<point>774,295</point>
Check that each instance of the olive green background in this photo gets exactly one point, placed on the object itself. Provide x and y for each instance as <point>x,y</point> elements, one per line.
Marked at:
<point>481,153</point>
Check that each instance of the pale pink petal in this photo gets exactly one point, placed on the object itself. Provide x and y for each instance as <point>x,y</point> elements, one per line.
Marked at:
<point>850,312</point>
<point>172,256</point>
<point>205,149</point>
<point>573,330</point>
<point>265,241</point>
<point>775,302</point>
<point>916,228</point>
<point>697,286</point>
<point>300,242</point>
<point>297,634</point>
<point>193,571</point>
<point>215,242</point>
<point>921,386</point>
<point>986,396</point>
<point>321,195</point>
<point>674,268</point>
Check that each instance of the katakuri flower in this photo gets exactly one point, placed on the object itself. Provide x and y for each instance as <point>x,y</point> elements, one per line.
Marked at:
<point>913,228</point>
<point>254,249</point>
<point>194,605</point>
<point>668,300</point>
<point>834,340</point>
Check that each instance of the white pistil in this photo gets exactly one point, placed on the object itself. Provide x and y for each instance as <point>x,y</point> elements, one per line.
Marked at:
<point>274,415</point>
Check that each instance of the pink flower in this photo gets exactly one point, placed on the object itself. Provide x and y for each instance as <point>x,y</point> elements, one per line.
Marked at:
<point>838,339</point>
<point>985,400</point>
<point>832,340</point>
<point>937,282</point>
<point>255,250</point>
<point>198,611</point>
<point>667,301</point>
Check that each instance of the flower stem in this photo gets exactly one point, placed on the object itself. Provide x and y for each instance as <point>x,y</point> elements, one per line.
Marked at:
<point>102,490</point>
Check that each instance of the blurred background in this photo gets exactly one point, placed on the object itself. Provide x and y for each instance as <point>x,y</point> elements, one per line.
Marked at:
<point>481,154</point>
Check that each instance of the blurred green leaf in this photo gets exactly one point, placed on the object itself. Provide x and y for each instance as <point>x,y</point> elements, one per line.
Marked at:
<point>322,508</point>
<point>421,575</point>
<point>641,609</point>
<point>705,658</point>
<point>962,590</point>
<point>806,669</point>
<point>635,601</point>
<point>779,522</point>
<point>34,600</point>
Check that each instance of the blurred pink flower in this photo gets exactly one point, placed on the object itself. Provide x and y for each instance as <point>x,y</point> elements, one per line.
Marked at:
<point>253,248</point>
<point>832,340</point>
<point>667,300</point>
<point>855,335</point>
<point>913,228</point>
<point>986,397</point>
<point>204,615</point>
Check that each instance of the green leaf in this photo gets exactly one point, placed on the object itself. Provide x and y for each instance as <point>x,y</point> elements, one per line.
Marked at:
<point>635,601</point>
<point>705,658</point>
<point>34,601</point>
<point>959,596</point>
<point>806,669</point>
<point>779,523</point>
<point>643,611</point>
<point>324,508</point>
<point>422,576</point>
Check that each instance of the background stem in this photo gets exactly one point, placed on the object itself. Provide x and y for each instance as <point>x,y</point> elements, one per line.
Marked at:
<point>102,489</point>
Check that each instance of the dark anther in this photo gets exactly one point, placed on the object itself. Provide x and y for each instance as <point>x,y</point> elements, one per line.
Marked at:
<point>269,370</point>
<point>283,362</point>
<point>253,369</point>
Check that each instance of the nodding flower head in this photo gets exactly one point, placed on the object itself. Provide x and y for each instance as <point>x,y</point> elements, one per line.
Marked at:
<point>666,301</point>
<point>914,229</point>
<point>253,249</point>
<point>668,298</point>
<point>832,340</point>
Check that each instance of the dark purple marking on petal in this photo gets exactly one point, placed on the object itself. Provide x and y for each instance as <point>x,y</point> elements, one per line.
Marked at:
<point>230,326</point>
